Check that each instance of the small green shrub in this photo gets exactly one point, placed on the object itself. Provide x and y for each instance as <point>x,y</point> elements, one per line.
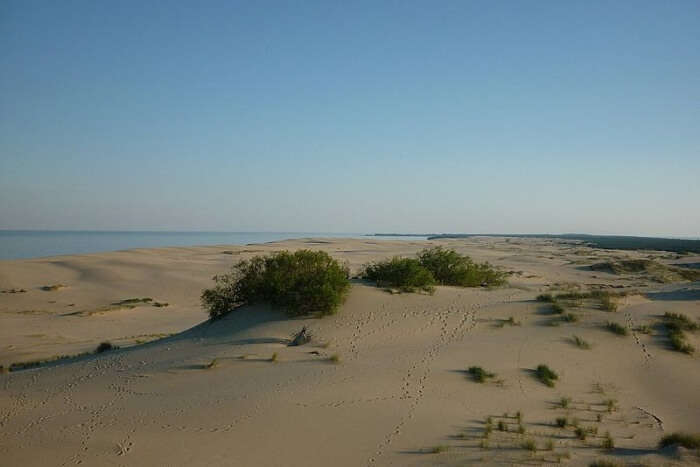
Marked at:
<point>450,268</point>
<point>570,318</point>
<point>687,440</point>
<point>438,449</point>
<point>546,375</point>
<point>406,274</point>
<point>611,405</point>
<point>105,347</point>
<point>616,328</point>
<point>335,358</point>
<point>502,426</point>
<point>302,282</point>
<point>557,308</point>
<point>643,329</point>
<point>510,321</point>
<point>564,402</point>
<point>545,297</point>
<point>561,422</point>
<point>479,374</point>
<point>273,358</point>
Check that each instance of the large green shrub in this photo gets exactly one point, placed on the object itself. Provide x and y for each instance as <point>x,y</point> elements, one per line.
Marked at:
<point>406,274</point>
<point>450,268</point>
<point>302,282</point>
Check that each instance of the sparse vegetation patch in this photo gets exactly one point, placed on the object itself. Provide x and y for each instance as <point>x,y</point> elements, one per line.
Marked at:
<point>616,328</point>
<point>580,343</point>
<point>675,324</point>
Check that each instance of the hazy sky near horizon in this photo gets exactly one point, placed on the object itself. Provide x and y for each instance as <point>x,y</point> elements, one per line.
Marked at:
<point>402,116</point>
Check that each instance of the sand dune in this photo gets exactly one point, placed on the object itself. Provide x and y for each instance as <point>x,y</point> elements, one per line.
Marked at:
<point>210,394</point>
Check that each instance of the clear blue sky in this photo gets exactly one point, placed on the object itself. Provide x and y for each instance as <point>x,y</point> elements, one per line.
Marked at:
<point>468,116</point>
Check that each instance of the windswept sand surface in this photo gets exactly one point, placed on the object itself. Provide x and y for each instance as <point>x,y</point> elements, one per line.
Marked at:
<point>399,390</point>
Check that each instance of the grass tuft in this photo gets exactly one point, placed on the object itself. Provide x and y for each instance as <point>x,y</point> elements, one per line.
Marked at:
<point>479,374</point>
<point>570,318</point>
<point>439,448</point>
<point>608,442</point>
<point>546,375</point>
<point>616,328</point>
<point>580,343</point>
<point>335,358</point>
<point>529,444</point>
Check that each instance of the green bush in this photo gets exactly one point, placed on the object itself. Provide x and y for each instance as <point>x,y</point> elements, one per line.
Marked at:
<point>406,274</point>
<point>105,347</point>
<point>545,297</point>
<point>450,268</point>
<point>687,440</point>
<point>302,282</point>
<point>546,375</point>
<point>479,374</point>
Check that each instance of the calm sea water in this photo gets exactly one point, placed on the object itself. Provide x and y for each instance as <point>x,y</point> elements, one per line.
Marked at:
<point>16,244</point>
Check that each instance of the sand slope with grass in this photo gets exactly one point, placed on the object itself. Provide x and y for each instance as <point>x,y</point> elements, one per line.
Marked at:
<point>383,382</point>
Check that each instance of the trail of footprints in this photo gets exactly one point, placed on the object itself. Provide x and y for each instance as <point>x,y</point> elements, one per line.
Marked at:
<point>414,391</point>
<point>631,325</point>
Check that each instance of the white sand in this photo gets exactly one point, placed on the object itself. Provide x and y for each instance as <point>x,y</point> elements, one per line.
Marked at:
<point>399,390</point>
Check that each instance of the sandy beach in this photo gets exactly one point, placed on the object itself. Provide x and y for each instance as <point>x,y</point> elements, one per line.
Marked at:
<point>185,391</point>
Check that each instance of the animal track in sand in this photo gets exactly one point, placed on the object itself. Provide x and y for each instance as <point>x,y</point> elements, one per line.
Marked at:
<point>631,325</point>
<point>414,389</point>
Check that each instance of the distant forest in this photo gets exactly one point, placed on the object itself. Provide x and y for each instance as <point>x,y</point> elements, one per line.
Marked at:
<point>616,242</point>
